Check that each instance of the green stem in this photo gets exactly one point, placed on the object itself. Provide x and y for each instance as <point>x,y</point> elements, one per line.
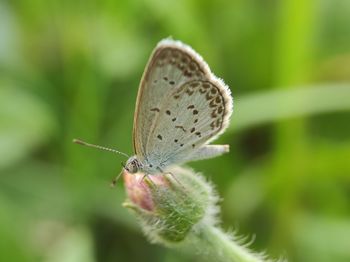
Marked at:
<point>214,245</point>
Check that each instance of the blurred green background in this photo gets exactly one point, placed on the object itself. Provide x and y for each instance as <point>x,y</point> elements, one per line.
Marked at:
<point>72,68</point>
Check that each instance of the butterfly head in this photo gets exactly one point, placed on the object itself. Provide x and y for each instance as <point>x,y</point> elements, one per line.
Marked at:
<point>133,165</point>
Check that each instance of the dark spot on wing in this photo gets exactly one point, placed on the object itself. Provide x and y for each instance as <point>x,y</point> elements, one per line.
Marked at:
<point>193,145</point>
<point>189,92</point>
<point>208,96</point>
<point>188,73</point>
<point>194,84</point>
<point>174,119</point>
<point>155,109</point>
<point>202,91</point>
<point>212,103</point>
<point>192,129</point>
<point>192,66</point>
<point>196,120</point>
<point>198,134</point>
<point>165,78</point>
<point>181,127</point>
<point>160,137</point>
<point>172,82</point>
<point>206,85</point>
<point>190,107</point>
<point>182,145</point>
<point>218,122</point>
<point>168,112</point>
<point>213,91</point>
<point>195,112</point>
<point>175,140</point>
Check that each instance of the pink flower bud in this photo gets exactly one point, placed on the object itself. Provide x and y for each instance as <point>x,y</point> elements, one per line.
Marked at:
<point>170,205</point>
<point>139,191</point>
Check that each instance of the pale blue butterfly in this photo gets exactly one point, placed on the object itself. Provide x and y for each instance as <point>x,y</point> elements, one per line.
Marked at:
<point>181,106</point>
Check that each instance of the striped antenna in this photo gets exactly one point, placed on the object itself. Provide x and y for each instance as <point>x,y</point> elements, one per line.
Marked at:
<point>80,142</point>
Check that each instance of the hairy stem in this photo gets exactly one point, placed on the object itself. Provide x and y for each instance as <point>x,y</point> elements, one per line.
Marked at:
<point>214,245</point>
<point>184,216</point>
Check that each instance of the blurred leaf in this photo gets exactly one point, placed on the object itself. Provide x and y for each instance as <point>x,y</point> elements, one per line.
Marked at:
<point>12,243</point>
<point>25,123</point>
<point>321,239</point>
<point>59,242</point>
<point>8,37</point>
<point>245,195</point>
<point>267,107</point>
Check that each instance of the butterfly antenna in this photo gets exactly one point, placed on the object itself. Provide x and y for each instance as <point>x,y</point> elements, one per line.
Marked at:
<point>80,142</point>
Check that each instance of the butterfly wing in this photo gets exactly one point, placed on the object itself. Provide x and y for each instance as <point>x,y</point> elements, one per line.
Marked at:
<point>189,118</point>
<point>181,105</point>
<point>171,65</point>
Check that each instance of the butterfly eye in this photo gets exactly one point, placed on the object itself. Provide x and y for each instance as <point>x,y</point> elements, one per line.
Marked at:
<point>125,167</point>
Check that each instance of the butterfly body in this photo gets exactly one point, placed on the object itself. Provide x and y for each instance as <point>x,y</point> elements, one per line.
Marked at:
<point>134,165</point>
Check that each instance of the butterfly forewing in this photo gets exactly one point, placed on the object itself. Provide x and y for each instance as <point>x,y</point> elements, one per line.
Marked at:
<point>171,65</point>
<point>180,106</point>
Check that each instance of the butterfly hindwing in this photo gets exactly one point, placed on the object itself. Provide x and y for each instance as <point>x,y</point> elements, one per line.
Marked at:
<point>188,118</point>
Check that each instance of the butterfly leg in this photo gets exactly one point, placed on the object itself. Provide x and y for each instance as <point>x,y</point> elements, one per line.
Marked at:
<point>172,175</point>
<point>208,151</point>
<point>114,181</point>
<point>148,177</point>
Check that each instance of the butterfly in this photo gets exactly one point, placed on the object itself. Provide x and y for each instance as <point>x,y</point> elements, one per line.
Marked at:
<point>181,107</point>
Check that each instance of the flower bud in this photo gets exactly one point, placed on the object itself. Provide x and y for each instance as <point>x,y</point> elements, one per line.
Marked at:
<point>170,205</point>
